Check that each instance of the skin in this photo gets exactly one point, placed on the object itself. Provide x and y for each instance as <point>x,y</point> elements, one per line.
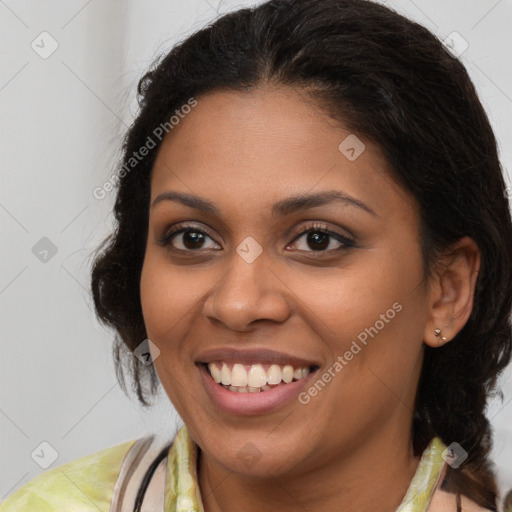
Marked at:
<point>244,152</point>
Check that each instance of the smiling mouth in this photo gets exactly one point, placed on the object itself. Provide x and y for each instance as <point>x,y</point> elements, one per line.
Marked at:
<point>256,378</point>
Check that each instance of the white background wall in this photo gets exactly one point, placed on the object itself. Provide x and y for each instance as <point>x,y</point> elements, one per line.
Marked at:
<point>61,122</point>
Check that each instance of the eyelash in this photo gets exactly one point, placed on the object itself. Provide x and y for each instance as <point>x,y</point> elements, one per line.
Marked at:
<point>314,227</point>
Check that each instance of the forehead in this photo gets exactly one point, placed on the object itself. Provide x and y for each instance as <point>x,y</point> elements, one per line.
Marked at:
<point>256,147</point>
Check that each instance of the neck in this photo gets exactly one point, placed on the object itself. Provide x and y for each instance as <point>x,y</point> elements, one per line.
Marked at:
<point>376,472</point>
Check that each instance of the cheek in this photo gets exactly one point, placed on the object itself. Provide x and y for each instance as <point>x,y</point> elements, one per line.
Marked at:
<point>165,307</point>
<point>162,298</point>
<point>377,302</point>
<point>172,299</point>
<point>370,320</point>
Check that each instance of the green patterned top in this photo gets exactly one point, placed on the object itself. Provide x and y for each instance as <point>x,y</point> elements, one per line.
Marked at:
<point>108,481</point>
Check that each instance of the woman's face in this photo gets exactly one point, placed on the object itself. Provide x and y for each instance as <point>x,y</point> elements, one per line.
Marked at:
<point>298,249</point>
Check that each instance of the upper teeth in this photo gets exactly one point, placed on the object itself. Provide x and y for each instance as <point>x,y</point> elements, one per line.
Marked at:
<point>255,375</point>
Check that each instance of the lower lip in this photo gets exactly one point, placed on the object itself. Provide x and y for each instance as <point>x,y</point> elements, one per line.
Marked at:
<point>248,403</point>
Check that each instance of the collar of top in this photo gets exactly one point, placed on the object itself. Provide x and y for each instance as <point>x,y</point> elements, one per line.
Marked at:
<point>182,492</point>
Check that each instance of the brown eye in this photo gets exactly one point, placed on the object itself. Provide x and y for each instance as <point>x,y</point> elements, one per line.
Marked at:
<point>187,239</point>
<point>319,239</point>
<point>192,239</point>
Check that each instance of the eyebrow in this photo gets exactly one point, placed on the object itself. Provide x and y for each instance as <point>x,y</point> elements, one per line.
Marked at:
<point>281,208</point>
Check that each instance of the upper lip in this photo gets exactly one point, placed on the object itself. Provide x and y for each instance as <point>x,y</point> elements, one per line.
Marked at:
<point>252,356</point>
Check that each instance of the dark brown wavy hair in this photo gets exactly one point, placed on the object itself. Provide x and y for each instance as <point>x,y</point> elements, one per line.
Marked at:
<point>392,81</point>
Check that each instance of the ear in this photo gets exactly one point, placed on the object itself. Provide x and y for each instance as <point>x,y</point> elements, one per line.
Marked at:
<point>451,292</point>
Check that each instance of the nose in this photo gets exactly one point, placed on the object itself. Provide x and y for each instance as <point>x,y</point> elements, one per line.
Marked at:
<point>247,292</point>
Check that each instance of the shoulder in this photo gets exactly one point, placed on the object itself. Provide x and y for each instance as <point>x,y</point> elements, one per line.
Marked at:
<point>463,490</point>
<point>86,484</point>
<point>443,501</point>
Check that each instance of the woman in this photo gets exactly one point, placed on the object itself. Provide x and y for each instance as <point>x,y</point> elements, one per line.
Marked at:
<point>313,247</point>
